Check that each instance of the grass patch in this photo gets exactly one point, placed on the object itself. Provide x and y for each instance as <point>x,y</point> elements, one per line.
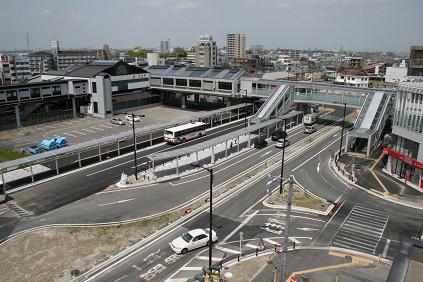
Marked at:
<point>9,155</point>
<point>300,198</point>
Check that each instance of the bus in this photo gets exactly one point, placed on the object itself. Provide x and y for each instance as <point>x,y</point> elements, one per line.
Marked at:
<point>309,122</point>
<point>185,132</point>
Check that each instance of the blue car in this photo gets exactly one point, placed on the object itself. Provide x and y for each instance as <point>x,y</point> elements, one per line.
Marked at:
<point>34,149</point>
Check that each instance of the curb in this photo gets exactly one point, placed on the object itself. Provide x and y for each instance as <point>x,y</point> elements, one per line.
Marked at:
<point>386,198</point>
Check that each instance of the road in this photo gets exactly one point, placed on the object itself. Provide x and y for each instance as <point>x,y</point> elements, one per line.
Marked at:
<point>244,211</point>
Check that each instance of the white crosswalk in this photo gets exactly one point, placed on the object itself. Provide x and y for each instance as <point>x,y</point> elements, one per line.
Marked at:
<point>361,230</point>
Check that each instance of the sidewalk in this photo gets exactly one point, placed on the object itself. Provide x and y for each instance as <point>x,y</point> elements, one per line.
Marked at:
<point>315,264</point>
<point>368,174</point>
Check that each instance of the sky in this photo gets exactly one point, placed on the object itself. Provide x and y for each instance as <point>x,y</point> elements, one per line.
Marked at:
<point>358,25</point>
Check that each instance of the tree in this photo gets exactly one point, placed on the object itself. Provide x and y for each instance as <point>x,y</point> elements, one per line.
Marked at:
<point>141,53</point>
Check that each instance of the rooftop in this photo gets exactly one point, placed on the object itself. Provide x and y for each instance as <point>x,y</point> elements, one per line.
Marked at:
<point>182,71</point>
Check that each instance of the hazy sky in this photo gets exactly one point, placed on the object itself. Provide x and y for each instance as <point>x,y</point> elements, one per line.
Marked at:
<point>389,25</point>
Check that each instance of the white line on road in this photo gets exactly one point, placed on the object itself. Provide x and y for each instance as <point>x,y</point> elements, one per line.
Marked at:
<point>266,153</point>
<point>88,130</point>
<point>121,278</point>
<point>69,134</point>
<point>96,128</point>
<point>106,126</point>
<point>79,132</point>
<point>226,250</point>
<point>207,258</point>
<point>118,202</point>
<point>240,226</point>
<point>191,268</point>
<point>271,242</point>
<point>309,159</point>
<point>318,168</point>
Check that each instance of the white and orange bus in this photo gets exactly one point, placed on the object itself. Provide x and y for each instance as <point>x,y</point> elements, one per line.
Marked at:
<point>185,132</point>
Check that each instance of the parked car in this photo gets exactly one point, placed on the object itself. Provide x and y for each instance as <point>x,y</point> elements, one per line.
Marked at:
<point>136,118</point>
<point>60,141</point>
<point>34,149</point>
<point>191,240</point>
<point>260,143</point>
<point>280,143</point>
<point>48,144</point>
<point>117,121</point>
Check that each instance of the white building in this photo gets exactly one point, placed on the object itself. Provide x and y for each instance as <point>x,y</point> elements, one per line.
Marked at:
<point>396,74</point>
<point>206,52</point>
<point>353,77</point>
<point>236,43</point>
<point>405,152</point>
<point>153,59</point>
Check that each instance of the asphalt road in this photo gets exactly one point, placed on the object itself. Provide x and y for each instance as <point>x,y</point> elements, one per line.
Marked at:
<point>154,261</point>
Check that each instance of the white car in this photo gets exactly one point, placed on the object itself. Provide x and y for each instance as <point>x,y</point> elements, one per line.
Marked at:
<point>280,143</point>
<point>136,118</point>
<point>191,240</point>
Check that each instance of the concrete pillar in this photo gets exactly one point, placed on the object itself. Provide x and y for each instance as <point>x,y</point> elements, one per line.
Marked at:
<point>47,108</point>
<point>99,152</point>
<point>18,117</point>
<point>118,147</point>
<point>226,149</point>
<point>177,165</point>
<point>3,183</point>
<point>369,142</point>
<point>238,144</point>
<point>221,118</point>
<point>196,157</point>
<point>79,157</point>
<point>228,102</point>
<point>212,155</point>
<point>74,106</point>
<point>57,166</point>
<point>184,101</point>
<point>249,140</point>
<point>32,173</point>
<point>347,139</point>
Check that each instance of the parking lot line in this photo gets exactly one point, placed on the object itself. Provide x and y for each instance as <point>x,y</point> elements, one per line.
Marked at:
<point>106,126</point>
<point>79,132</point>
<point>88,130</point>
<point>69,134</point>
<point>96,128</point>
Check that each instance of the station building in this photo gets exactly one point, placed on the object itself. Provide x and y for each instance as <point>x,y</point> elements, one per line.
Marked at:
<point>405,152</point>
<point>100,88</point>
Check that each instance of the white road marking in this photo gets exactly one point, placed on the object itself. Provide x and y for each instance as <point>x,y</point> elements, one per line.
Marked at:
<point>88,130</point>
<point>106,126</point>
<point>307,229</point>
<point>79,133</point>
<point>276,221</point>
<point>240,226</point>
<point>207,258</point>
<point>137,267</point>
<point>69,134</point>
<point>271,242</point>
<point>117,202</point>
<point>312,157</point>
<point>318,168</point>
<point>48,126</point>
<point>251,246</point>
<point>96,128</point>
<point>266,153</point>
<point>295,239</point>
<point>191,268</point>
<point>226,250</point>
<point>121,278</point>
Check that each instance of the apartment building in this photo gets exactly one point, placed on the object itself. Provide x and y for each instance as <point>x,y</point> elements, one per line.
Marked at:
<point>415,66</point>
<point>236,43</point>
<point>206,52</point>
<point>40,62</point>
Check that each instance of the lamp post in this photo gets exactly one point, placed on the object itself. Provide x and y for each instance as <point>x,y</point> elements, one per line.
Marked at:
<point>283,134</point>
<point>135,144</point>
<point>210,170</point>
<point>342,130</point>
<point>246,102</point>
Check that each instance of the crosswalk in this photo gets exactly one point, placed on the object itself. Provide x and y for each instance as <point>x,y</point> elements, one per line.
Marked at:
<point>362,230</point>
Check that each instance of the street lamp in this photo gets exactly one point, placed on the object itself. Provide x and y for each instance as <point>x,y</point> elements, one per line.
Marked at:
<point>342,131</point>
<point>283,134</point>
<point>246,101</point>
<point>135,144</point>
<point>210,170</point>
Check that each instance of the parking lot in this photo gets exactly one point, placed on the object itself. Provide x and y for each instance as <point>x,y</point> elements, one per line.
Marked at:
<point>79,130</point>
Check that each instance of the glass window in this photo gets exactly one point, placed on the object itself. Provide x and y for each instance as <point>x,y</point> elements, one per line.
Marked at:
<point>225,85</point>
<point>167,81</point>
<point>195,83</point>
<point>94,86</point>
<point>12,95</point>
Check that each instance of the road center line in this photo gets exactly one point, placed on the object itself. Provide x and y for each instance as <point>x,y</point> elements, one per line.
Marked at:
<point>118,202</point>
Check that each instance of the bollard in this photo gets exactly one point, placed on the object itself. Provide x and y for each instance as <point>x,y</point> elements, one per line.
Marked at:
<point>256,251</point>
<point>238,258</point>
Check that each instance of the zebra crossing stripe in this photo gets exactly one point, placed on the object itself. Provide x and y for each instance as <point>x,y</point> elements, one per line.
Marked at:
<point>270,241</point>
<point>226,250</point>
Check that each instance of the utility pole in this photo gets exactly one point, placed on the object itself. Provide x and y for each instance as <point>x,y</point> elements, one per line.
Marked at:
<point>288,219</point>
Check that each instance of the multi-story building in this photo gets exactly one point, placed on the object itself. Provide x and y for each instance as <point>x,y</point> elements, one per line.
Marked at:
<point>353,77</point>
<point>354,62</point>
<point>104,54</point>
<point>40,62</point>
<point>405,153</point>
<point>7,69</point>
<point>165,46</point>
<point>206,52</point>
<point>22,67</point>
<point>395,74</point>
<point>415,66</point>
<point>236,43</point>
<point>67,58</point>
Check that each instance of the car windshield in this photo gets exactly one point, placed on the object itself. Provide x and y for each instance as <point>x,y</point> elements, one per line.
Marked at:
<point>187,238</point>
